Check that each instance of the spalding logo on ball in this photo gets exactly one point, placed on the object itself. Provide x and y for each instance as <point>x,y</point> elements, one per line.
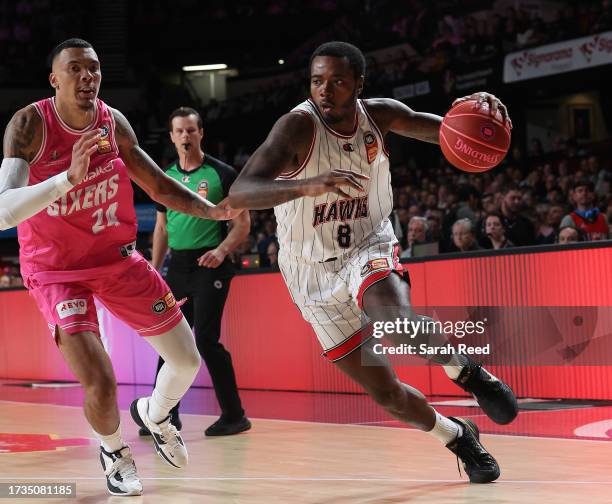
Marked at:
<point>472,139</point>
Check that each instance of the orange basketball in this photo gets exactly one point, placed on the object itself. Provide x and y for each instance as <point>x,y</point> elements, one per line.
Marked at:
<point>472,139</point>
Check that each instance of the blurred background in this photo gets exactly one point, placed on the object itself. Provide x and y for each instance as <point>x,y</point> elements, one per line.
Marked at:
<point>547,60</point>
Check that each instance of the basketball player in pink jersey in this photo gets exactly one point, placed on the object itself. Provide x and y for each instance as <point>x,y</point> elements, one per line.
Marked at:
<point>325,169</point>
<point>65,183</point>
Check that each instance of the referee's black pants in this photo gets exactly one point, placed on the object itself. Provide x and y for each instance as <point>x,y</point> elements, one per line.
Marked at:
<point>206,290</point>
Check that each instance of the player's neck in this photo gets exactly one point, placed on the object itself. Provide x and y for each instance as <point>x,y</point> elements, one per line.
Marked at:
<point>75,117</point>
<point>346,126</point>
<point>191,161</point>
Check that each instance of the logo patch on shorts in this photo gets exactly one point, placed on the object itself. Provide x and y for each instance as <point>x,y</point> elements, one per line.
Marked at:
<point>71,307</point>
<point>373,265</point>
<point>159,306</point>
<point>169,300</point>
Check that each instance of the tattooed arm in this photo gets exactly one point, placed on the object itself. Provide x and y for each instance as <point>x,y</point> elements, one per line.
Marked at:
<point>283,152</point>
<point>161,188</point>
<point>22,141</point>
<point>23,134</point>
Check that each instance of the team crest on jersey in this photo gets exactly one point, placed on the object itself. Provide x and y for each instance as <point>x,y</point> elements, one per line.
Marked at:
<point>203,188</point>
<point>371,145</point>
<point>374,265</point>
<point>104,145</point>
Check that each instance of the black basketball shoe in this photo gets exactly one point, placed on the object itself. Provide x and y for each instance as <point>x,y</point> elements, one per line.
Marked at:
<point>478,463</point>
<point>494,397</point>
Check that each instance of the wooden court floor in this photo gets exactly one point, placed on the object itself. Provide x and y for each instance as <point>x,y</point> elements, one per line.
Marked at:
<point>299,462</point>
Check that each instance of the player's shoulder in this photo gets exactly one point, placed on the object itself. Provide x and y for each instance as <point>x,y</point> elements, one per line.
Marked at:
<point>26,117</point>
<point>23,135</point>
<point>381,104</point>
<point>383,111</point>
<point>295,126</point>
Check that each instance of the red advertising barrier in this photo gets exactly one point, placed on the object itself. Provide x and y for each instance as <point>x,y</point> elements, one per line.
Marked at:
<point>273,348</point>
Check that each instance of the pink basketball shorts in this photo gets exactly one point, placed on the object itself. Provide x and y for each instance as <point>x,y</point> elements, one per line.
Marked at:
<point>131,290</point>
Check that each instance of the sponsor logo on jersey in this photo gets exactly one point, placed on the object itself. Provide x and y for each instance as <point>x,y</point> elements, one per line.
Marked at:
<point>170,300</point>
<point>53,155</point>
<point>347,147</point>
<point>185,179</point>
<point>159,306</point>
<point>374,265</point>
<point>340,210</point>
<point>371,145</point>
<point>203,188</point>
<point>71,307</point>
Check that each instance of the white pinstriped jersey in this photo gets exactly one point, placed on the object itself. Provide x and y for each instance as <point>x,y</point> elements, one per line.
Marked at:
<point>330,225</point>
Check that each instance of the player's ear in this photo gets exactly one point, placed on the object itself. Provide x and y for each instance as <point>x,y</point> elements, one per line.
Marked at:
<point>360,81</point>
<point>53,80</point>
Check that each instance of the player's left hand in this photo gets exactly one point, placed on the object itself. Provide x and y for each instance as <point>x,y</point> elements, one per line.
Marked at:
<point>223,211</point>
<point>493,102</point>
<point>212,259</point>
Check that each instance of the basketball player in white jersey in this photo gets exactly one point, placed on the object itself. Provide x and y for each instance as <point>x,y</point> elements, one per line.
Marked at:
<point>325,170</point>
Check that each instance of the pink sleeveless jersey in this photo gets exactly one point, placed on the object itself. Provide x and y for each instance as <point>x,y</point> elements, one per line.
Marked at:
<point>95,222</point>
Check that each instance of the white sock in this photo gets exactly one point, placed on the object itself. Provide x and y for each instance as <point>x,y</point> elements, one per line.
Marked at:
<point>445,429</point>
<point>455,365</point>
<point>160,406</point>
<point>111,442</point>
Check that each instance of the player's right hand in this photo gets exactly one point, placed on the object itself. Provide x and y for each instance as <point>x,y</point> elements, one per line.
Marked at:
<point>333,181</point>
<point>82,150</point>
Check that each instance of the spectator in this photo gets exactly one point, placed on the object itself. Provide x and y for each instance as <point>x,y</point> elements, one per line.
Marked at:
<point>586,217</point>
<point>469,200</point>
<point>569,234</point>
<point>463,236</point>
<point>548,229</point>
<point>519,230</point>
<point>495,232</point>
<point>273,254</point>
<point>5,282</point>
<point>417,233</point>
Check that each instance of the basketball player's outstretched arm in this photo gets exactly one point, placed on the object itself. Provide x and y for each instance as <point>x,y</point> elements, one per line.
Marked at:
<point>161,188</point>
<point>283,151</point>
<point>22,141</point>
<point>392,115</point>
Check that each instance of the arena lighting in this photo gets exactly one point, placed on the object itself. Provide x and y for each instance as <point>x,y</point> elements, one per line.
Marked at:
<point>200,68</point>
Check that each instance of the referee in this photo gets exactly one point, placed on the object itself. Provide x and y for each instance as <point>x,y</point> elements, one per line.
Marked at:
<point>199,268</point>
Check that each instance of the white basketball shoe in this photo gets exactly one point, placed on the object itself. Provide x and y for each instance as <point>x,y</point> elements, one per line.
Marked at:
<point>120,471</point>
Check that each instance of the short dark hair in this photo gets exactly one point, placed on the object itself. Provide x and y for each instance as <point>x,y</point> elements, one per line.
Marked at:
<point>583,183</point>
<point>337,49</point>
<point>67,44</point>
<point>185,112</point>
